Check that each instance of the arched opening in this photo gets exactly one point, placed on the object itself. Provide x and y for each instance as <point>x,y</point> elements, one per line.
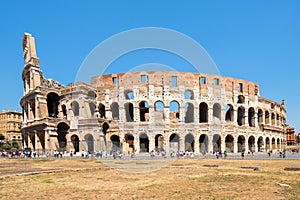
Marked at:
<point>92,109</point>
<point>129,112</point>
<point>52,104</point>
<point>241,143</point>
<point>75,142</point>
<point>188,95</point>
<point>64,111</point>
<point>267,117</point>
<point>189,143</point>
<point>115,110</point>
<point>75,108</point>
<point>229,143</point>
<point>174,111</point>
<point>229,113</point>
<point>217,143</point>
<point>251,117</point>
<point>129,94</point>
<point>251,143</point>
<point>273,119</point>
<point>217,111</point>
<point>129,139</point>
<point>203,141</point>
<point>268,145</point>
<point>260,118</point>
<point>278,144</point>
<point>203,112</point>
<point>144,143</point>
<point>115,143</point>
<point>159,106</point>
<point>159,143</point>
<point>92,95</point>
<point>89,142</point>
<point>277,119</point>
<point>260,144</point>
<point>241,116</point>
<point>189,112</point>
<point>101,109</point>
<point>174,143</point>
<point>105,128</point>
<point>144,111</point>
<point>273,143</point>
<point>241,99</point>
<point>62,131</point>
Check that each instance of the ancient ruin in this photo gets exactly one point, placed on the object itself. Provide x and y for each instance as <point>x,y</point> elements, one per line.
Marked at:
<point>144,111</point>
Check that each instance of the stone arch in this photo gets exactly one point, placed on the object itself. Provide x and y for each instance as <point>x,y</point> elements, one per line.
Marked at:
<point>188,95</point>
<point>229,113</point>
<point>268,145</point>
<point>174,110</point>
<point>189,112</point>
<point>101,109</point>
<point>241,99</point>
<point>229,143</point>
<point>75,108</point>
<point>75,143</point>
<point>278,144</point>
<point>203,141</point>
<point>144,142</point>
<point>115,110</point>
<point>251,117</point>
<point>273,119</point>
<point>260,144</point>
<point>159,143</point>
<point>203,112</point>
<point>89,139</point>
<point>129,140</point>
<point>267,117</point>
<point>159,106</point>
<point>64,110</point>
<point>129,95</point>
<point>144,111</point>
<point>251,143</point>
<point>189,142</point>
<point>91,94</point>
<point>115,143</point>
<point>52,104</point>
<point>241,142</point>
<point>241,116</point>
<point>174,142</point>
<point>129,111</point>
<point>278,119</point>
<point>92,109</point>
<point>260,116</point>
<point>62,131</point>
<point>273,143</point>
<point>217,143</point>
<point>217,111</point>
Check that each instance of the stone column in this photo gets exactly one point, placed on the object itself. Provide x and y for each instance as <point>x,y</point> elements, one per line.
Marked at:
<point>196,145</point>
<point>151,142</point>
<point>210,143</point>
<point>137,143</point>
<point>235,145</point>
<point>182,143</point>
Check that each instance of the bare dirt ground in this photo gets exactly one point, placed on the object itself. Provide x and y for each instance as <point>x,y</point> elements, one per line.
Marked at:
<point>180,179</point>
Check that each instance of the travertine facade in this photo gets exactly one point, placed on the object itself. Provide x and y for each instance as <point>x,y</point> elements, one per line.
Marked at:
<point>145,111</point>
<point>10,124</point>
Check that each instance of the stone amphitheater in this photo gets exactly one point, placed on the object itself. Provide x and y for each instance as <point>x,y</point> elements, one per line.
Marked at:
<point>147,111</point>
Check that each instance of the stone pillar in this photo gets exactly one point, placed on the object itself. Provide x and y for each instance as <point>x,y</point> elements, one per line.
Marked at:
<point>223,144</point>
<point>246,117</point>
<point>137,143</point>
<point>181,114</point>
<point>210,143</point>
<point>167,114</point>
<point>182,143</point>
<point>196,145</point>
<point>136,113</point>
<point>235,116</point>
<point>235,145</point>
<point>38,145</point>
<point>151,142</point>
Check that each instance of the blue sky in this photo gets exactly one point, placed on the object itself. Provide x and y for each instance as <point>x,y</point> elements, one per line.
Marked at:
<point>254,40</point>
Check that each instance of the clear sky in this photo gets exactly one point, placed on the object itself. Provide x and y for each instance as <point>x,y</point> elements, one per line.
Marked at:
<point>257,40</point>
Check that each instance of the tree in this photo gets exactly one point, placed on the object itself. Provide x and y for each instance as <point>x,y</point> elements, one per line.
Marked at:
<point>2,137</point>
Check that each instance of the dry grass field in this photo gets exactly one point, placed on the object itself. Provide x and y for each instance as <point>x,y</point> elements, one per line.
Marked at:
<point>180,179</point>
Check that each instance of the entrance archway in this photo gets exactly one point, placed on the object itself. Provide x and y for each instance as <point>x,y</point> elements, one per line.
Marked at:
<point>62,131</point>
<point>260,144</point>
<point>241,143</point>
<point>89,142</point>
<point>129,139</point>
<point>144,143</point>
<point>75,142</point>
<point>159,143</point>
<point>174,142</point>
<point>251,143</point>
<point>217,143</point>
<point>203,141</point>
<point>229,141</point>
<point>189,143</point>
<point>115,143</point>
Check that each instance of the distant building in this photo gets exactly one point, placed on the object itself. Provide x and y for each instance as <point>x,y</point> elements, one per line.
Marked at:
<point>10,122</point>
<point>290,136</point>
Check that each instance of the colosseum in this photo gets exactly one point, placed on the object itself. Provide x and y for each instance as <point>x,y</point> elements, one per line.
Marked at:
<point>144,111</point>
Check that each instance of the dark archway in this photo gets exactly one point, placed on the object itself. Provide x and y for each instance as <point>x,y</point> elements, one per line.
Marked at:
<point>129,139</point>
<point>268,145</point>
<point>101,109</point>
<point>75,108</point>
<point>251,143</point>
<point>251,117</point>
<point>92,109</point>
<point>62,131</point>
<point>174,143</point>
<point>241,116</point>
<point>203,141</point>
<point>75,142</point>
<point>52,104</point>
<point>144,111</point>
<point>241,143</point>
<point>229,113</point>
<point>115,110</point>
<point>144,143</point>
<point>129,112</point>
<point>203,113</point>
<point>217,143</point>
<point>260,144</point>
<point>189,143</point>
<point>115,143</point>
<point>159,143</point>
<point>90,142</point>
<point>189,112</point>
<point>217,111</point>
<point>229,142</point>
